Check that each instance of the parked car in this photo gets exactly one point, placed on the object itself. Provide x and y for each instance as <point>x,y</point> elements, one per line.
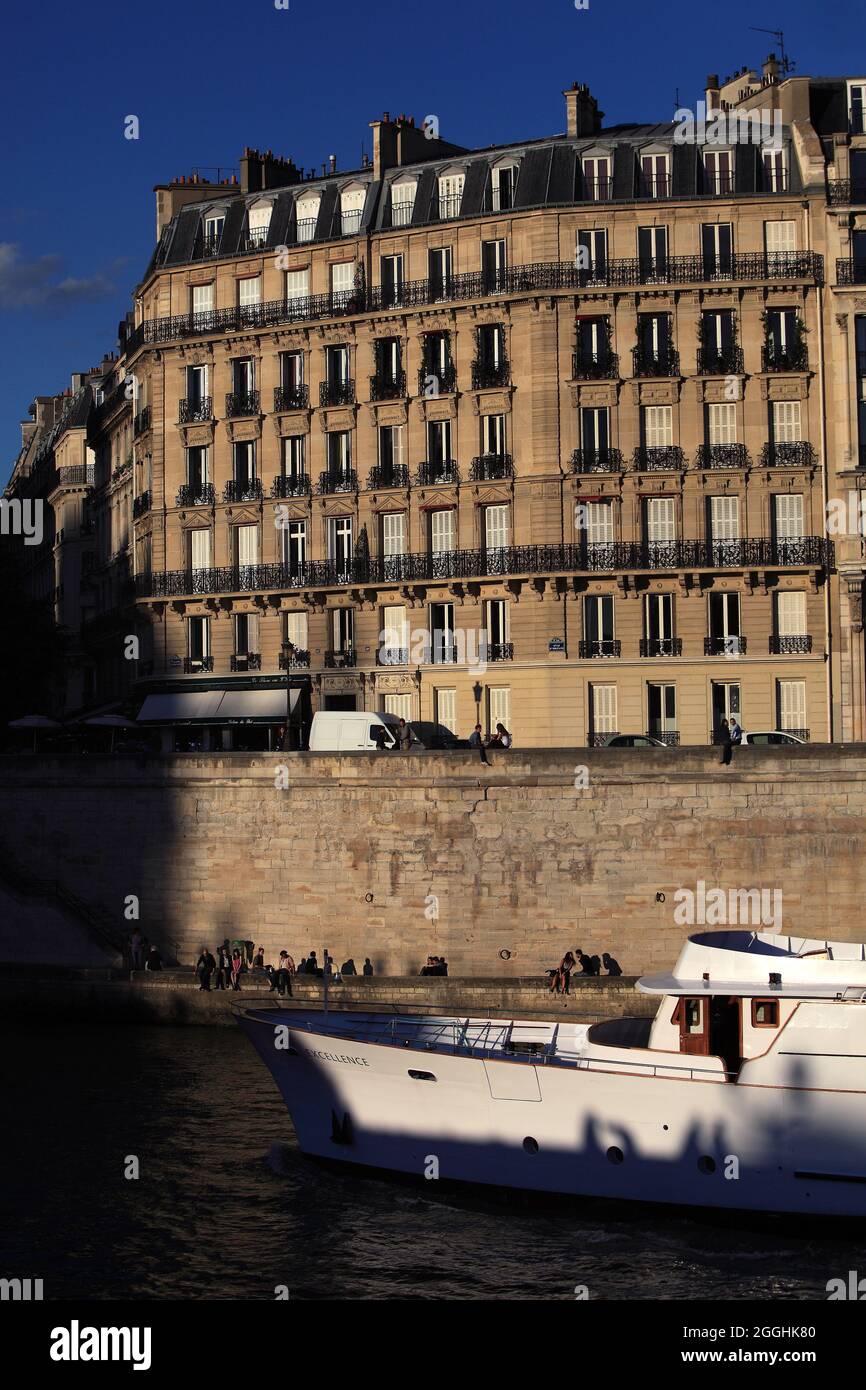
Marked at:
<point>633,741</point>
<point>771,736</point>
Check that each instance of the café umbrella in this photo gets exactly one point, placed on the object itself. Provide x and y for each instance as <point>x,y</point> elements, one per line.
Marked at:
<point>34,722</point>
<point>112,722</point>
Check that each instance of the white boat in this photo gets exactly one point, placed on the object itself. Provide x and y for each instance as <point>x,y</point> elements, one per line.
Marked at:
<point>747,1091</point>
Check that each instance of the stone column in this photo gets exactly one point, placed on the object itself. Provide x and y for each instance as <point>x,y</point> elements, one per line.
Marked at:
<point>854,719</point>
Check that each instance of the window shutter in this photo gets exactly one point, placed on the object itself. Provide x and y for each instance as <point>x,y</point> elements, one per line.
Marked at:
<point>499,706</point>
<point>661,519</point>
<point>441,531</point>
<point>496,527</point>
<point>603,709</point>
<point>658,426</point>
<point>446,709</point>
<point>723,423</point>
<point>296,630</point>
<point>791,614</point>
<point>200,549</point>
<point>725,518</point>
<point>792,704</point>
<point>788,509</point>
<point>786,422</point>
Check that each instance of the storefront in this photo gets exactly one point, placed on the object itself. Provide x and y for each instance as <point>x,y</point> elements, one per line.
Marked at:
<point>248,718</point>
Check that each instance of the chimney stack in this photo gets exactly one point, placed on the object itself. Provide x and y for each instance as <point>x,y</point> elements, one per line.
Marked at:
<point>581,109</point>
<point>712,92</point>
<point>770,69</point>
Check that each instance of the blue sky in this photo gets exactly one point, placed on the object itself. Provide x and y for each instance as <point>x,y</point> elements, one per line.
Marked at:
<point>77,220</point>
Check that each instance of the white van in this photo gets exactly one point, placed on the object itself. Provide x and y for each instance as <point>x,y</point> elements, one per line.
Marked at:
<point>351,731</point>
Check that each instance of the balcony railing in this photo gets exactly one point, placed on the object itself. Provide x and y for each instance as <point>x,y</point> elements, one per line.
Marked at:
<point>342,658</point>
<point>141,422</point>
<point>241,403</point>
<point>602,366</point>
<point>722,456</point>
<point>486,374</point>
<point>141,504</point>
<point>725,646</point>
<point>500,651</point>
<point>196,495</point>
<point>488,468</point>
<point>798,645</point>
<point>599,739</point>
<point>851,272</point>
<point>659,459</point>
<point>337,392</point>
<point>606,557</point>
<point>441,471</point>
<point>645,362</point>
<point>387,386</point>
<point>445,379</point>
<point>596,461</point>
<point>296,659</point>
<point>242,490</point>
<point>291,397</point>
<point>661,646</point>
<point>669,736</point>
<point>393,656</point>
<point>791,359</point>
<point>254,238</point>
<point>585,650</point>
<point>542,276</point>
<point>290,486</point>
<point>192,664</point>
<point>245,661</point>
<point>193,411</point>
<point>397,475</point>
<point>712,362</point>
<point>346,480</point>
<point>798,454</point>
<point>844,192</point>
<point>797,733</point>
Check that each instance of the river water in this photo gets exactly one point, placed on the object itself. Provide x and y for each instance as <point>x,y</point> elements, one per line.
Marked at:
<point>226,1207</point>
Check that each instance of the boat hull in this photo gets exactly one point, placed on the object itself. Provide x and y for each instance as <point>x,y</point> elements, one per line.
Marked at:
<point>569,1130</point>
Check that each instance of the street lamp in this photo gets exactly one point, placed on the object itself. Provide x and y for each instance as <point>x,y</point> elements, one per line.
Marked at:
<point>287,649</point>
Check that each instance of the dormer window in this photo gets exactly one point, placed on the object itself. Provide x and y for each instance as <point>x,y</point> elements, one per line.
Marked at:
<point>857,107</point>
<point>504,183</point>
<point>402,203</point>
<point>773,162</point>
<point>450,194</point>
<point>351,209</point>
<point>213,230</point>
<point>258,224</point>
<point>719,172</point>
<point>655,174</point>
<point>307,210</point>
<point>596,178</point>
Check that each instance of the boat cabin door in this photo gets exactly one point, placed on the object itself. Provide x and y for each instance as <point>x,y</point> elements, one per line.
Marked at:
<point>692,1016</point>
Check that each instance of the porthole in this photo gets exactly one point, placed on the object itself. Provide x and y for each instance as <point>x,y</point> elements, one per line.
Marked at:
<point>530,1145</point>
<point>615,1155</point>
<point>706,1164</point>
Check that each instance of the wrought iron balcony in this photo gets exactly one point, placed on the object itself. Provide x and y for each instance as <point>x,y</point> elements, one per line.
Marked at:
<point>337,392</point>
<point>442,653</point>
<point>791,359</point>
<point>605,557</point>
<point>387,386</point>
<point>598,740</point>
<point>441,471</point>
<point>296,660</point>
<point>797,733</point>
<point>305,229</point>
<point>722,456</point>
<point>500,651</point>
<point>596,461</point>
<point>601,366</point>
<point>487,468</point>
<point>209,246</point>
<point>844,192</point>
<point>194,410</point>
<point>241,403</point>
<point>243,490</point>
<point>291,397</point>
<point>659,459</point>
<point>645,362</point>
<point>797,454</point>
<point>661,646</point>
<point>192,664</point>
<point>449,207</point>
<point>245,661</point>
<point>254,238</point>
<point>486,374</point>
<point>397,475</point>
<point>798,645</point>
<point>598,648</point>
<point>712,362</point>
<point>350,222</point>
<point>851,272</point>
<point>669,736</point>
<point>141,422</point>
<point>343,658</point>
<point>346,480</point>
<point>445,379</point>
<point>196,495</point>
<point>141,504</point>
<point>401,212</point>
<point>289,486</point>
<point>725,646</point>
<point>393,656</point>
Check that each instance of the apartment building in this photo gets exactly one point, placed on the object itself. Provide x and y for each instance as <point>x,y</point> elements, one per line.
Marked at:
<point>545,433</point>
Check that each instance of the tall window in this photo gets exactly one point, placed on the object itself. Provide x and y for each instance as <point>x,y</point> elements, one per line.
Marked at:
<point>199,549</point>
<point>202,301</point>
<point>198,639</point>
<point>785,422</point>
<point>307,212</point>
<point>250,292</point>
<point>339,534</point>
<point>394,648</point>
<point>246,634</point>
<point>213,230</point>
<point>402,203</point>
<point>592,256</point>
<point>197,470</point>
<point>598,630</point>
<point>652,251</point>
<point>342,281</point>
<point>442,644</point>
<point>294,457</point>
<point>392,450</point>
<point>659,623</point>
<point>493,266</point>
<point>504,182</point>
<point>719,171</point>
<point>722,423</point>
<point>450,194</point>
<point>295,630</point>
<point>655,175</point>
<point>596,179</point>
<point>774,171</point>
<point>445,703</point>
<point>497,526</point>
<point>788,516</point>
<point>246,549</point>
<point>391,276</point>
<point>493,435</point>
<point>602,712</point>
<point>442,531</point>
<point>496,624</point>
<point>791,706</point>
<point>339,454</point>
<point>657,426</point>
<point>594,430</point>
<point>662,711</point>
<point>294,546</point>
<point>351,209</point>
<point>393,534</point>
<point>438,442</point>
<point>598,518</point>
<point>724,624</point>
<point>245,465</point>
<point>717,250</point>
<point>291,371</point>
<point>258,224</point>
<point>439,272</point>
<point>790,613</point>
<point>343,629</point>
<point>660,522</point>
<point>724,518</point>
<point>297,285</point>
<point>498,707</point>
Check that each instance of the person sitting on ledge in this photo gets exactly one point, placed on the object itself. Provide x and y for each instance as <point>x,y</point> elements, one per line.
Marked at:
<point>588,964</point>
<point>204,968</point>
<point>611,966</point>
<point>560,977</point>
<point>348,967</point>
<point>368,966</point>
<point>154,960</point>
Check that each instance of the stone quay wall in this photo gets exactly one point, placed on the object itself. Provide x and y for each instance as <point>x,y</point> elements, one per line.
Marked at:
<point>398,856</point>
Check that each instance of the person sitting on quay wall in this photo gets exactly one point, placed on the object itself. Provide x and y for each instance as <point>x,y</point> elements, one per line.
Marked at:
<point>154,960</point>
<point>204,968</point>
<point>368,967</point>
<point>611,965</point>
<point>560,977</point>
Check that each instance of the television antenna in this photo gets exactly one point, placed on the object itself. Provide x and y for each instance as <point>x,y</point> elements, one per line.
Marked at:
<point>786,64</point>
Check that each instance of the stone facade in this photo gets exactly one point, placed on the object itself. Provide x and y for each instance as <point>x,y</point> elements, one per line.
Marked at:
<point>397,857</point>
